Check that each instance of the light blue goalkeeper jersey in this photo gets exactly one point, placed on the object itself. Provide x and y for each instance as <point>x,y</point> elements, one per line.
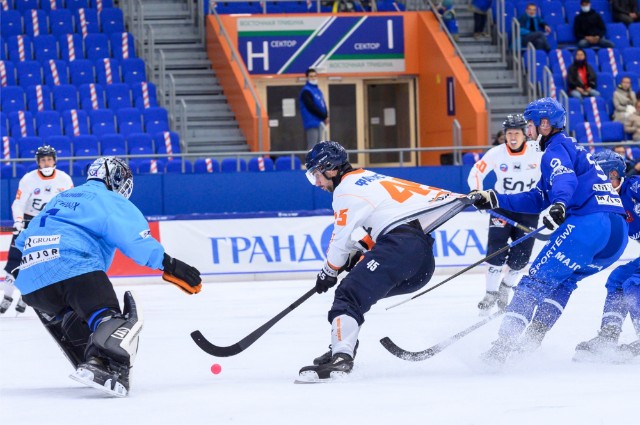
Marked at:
<point>78,233</point>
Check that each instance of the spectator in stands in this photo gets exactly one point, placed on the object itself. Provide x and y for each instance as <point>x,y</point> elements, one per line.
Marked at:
<point>625,11</point>
<point>581,78</point>
<point>589,28</point>
<point>632,123</point>
<point>624,100</point>
<point>500,138</point>
<point>313,110</point>
<point>448,13</point>
<point>633,165</point>
<point>533,29</point>
<point>480,9</point>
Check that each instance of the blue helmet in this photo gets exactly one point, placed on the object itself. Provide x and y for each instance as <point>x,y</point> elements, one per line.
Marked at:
<point>548,108</point>
<point>325,156</point>
<point>609,161</point>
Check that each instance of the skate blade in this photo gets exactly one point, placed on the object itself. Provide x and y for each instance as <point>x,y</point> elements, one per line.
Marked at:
<point>610,357</point>
<point>85,377</point>
<point>311,377</point>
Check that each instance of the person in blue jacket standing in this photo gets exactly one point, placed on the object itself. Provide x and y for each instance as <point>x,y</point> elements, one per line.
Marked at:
<point>313,109</point>
<point>66,252</point>
<point>585,214</point>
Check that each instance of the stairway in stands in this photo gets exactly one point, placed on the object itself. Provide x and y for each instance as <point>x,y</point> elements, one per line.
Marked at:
<point>200,110</point>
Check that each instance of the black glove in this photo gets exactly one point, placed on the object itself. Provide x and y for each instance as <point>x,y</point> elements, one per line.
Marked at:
<point>326,279</point>
<point>553,218</point>
<point>353,259</point>
<point>484,199</point>
<point>184,276</point>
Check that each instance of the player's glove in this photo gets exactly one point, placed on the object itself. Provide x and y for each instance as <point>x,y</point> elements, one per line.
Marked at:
<point>484,199</point>
<point>354,258</point>
<point>18,226</point>
<point>326,279</point>
<point>554,217</point>
<point>184,276</point>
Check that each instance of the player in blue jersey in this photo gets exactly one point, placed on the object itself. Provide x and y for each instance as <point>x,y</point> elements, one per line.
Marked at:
<point>623,284</point>
<point>66,252</point>
<point>587,219</point>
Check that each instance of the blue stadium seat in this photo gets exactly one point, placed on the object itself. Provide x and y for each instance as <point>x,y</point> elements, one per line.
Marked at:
<point>206,165</point>
<point>233,165</point>
<point>13,146</point>
<point>603,8</point>
<point>4,126</point>
<point>587,130</point>
<point>19,48</point>
<point>74,5</point>
<point>285,163</point>
<point>261,164</point>
<point>87,21</point>
<point>10,23</point>
<point>165,138</point>
<point>48,124</point>
<point>592,58</point>
<point>634,34</point>
<point>140,144</point>
<point>541,61</point>
<point>97,46</point>
<point>564,34</point>
<point>571,10</point>
<point>113,145</point>
<point>552,12</point>
<point>107,71</point>
<point>575,113</point>
<point>25,5</point>
<point>595,109</point>
<point>610,60</point>
<point>75,122</point>
<point>133,70</point>
<point>118,96</point>
<point>470,158</point>
<point>389,6</point>
<point>175,166</point>
<point>102,122</point>
<point>560,60</point>
<point>62,145</point>
<point>612,131</point>
<point>144,95</point>
<point>29,73</point>
<point>606,85</point>
<point>122,45</point>
<point>56,72</point>
<point>101,4</point>
<point>86,145</point>
<point>8,72</point>
<point>12,99</point>
<point>21,124</point>
<point>111,21</point>
<point>35,23</point>
<point>71,47</point>
<point>129,122</point>
<point>92,96</point>
<point>151,166</point>
<point>27,146</point>
<point>45,47</point>
<point>61,22</point>
<point>7,170</point>
<point>47,7</point>
<point>299,7</point>
<point>631,59</point>
<point>81,72</point>
<point>617,32</point>
<point>39,98</point>
<point>65,97</point>
<point>155,120</point>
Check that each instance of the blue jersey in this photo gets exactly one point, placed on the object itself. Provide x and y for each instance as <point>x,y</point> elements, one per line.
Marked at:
<point>630,194</point>
<point>78,233</point>
<point>570,176</point>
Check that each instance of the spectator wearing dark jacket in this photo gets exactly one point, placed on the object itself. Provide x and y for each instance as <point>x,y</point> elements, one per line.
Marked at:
<point>581,78</point>
<point>625,11</point>
<point>589,28</point>
<point>533,29</point>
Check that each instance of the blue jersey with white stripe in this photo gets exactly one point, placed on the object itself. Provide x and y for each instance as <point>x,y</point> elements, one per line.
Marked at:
<point>630,194</point>
<point>569,176</point>
<point>78,233</point>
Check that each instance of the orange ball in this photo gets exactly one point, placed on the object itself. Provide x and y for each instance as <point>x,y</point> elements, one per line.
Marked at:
<point>216,368</point>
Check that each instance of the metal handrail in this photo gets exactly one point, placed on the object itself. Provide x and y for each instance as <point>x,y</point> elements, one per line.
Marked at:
<point>501,33</point>
<point>183,122</point>
<point>549,88</point>
<point>516,51</point>
<point>532,75</point>
<point>472,76</point>
<point>172,99</point>
<point>563,97</point>
<point>245,76</point>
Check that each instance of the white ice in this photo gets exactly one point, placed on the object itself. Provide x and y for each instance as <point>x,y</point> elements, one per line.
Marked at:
<point>172,382</point>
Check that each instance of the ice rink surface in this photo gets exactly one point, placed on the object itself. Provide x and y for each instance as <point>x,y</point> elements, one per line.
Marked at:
<point>172,382</point>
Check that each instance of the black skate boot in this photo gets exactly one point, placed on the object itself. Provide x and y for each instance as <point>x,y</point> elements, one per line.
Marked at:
<point>600,348</point>
<point>21,306</point>
<point>340,366</point>
<point>326,357</point>
<point>5,304</point>
<point>113,380</point>
<point>504,291</point>
<point>489,300</point>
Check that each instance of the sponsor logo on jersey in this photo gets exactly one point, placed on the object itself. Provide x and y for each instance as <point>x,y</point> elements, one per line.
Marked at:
<point>145,234</point>
<point>504,168</point>
<point>37,191</point>
<point>552,252</point>
<point>35,241</point>
<point>608,200</point>
<point>496,222</point>
<point>68,204</point>
<point>635,186</point>
<point>636,209</point>
<point>120,333</point>
<point>38,257</point>
<point>47,189</point>
<point>561,169</point>
<point>532,166</point>
<point>517,166</point>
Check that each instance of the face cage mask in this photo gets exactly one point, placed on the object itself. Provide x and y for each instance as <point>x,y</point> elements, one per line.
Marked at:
<point>126,189</point>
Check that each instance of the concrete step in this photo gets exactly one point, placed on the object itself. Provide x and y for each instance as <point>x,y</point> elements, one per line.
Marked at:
<point>184,89</point>
<point>163,10</point>
<point>487,65</point>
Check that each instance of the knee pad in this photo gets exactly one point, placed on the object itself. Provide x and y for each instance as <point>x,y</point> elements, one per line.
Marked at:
<point>116,337</point>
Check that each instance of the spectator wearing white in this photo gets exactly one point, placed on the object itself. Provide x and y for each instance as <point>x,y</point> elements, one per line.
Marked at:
<point>624,101</point>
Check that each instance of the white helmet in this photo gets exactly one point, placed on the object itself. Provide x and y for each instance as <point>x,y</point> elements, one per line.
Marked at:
<point>114,172</point>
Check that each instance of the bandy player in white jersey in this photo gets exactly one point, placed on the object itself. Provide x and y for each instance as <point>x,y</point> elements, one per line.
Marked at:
<point>516,164</point>
<point>395,217</point>
<point>35,189</point>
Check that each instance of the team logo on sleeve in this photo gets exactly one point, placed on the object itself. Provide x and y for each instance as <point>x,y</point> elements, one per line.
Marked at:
<point>145,234</point>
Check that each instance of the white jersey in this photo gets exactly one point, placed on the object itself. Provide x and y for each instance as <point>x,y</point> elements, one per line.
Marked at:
<point>35,190</point>
<point>515,171</point>
<point>379,203</point>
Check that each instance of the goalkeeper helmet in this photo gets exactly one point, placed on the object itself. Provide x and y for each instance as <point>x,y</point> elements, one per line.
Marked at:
<point>114,172</point>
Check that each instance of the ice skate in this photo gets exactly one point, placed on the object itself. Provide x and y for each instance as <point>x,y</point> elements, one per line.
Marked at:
<point>532,338</point>
<point>601,348</point>
<point>5,304</point>
<point>339,367</point>
<point>627,352</point>
<point>326,357</point>
<point>503,296</point>
<point>94,373</point>
<point>21,306</point>
<point>498,354</point>
<point>489,300</point>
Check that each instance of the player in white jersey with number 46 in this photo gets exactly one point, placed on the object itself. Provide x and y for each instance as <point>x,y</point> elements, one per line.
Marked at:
<point>516,164</point>
<point>397,216</point>
<point>35,189</point>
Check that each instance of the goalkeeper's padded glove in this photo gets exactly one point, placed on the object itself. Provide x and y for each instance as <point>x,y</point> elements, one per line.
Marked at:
<point>184,276</point>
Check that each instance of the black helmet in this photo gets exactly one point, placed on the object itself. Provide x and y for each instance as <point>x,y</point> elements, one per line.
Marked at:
<point>43,151</point>
<point>514,121</point>
<point>326,156</point>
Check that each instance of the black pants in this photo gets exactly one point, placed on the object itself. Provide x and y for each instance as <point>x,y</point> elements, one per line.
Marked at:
<point>479,22</point>
<point>500,233</point>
